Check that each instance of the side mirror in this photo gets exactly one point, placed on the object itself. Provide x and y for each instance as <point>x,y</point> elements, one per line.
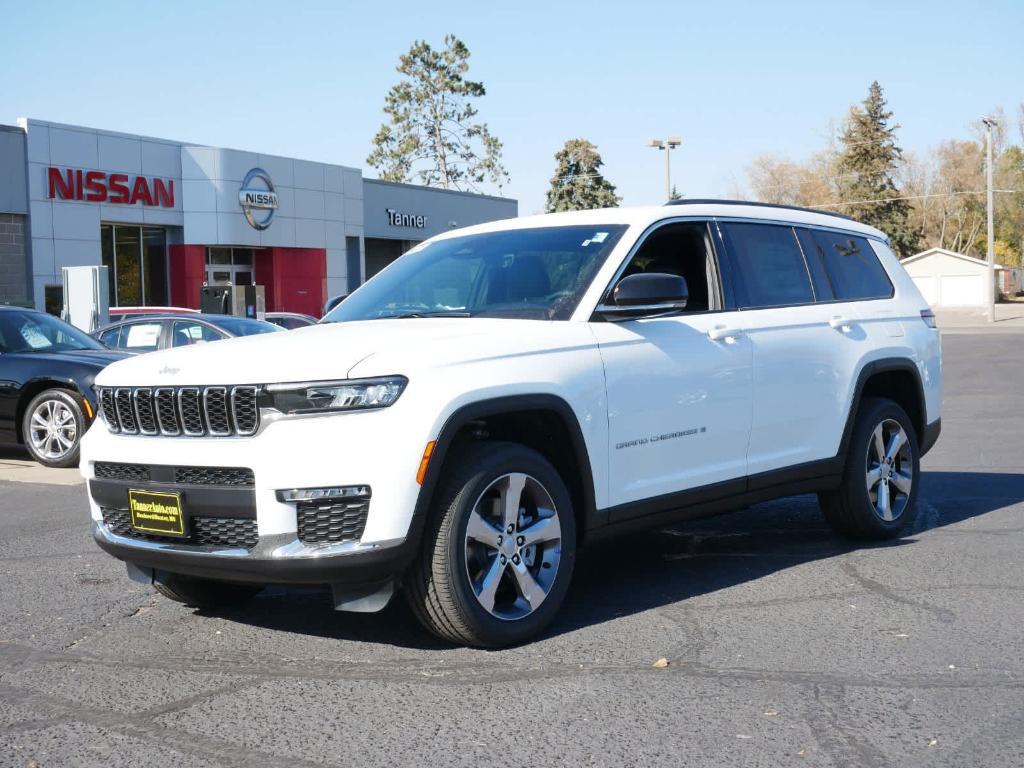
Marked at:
<point>646,294</point>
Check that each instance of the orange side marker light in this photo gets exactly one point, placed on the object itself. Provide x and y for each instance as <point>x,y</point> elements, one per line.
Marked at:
<point>425,461</point>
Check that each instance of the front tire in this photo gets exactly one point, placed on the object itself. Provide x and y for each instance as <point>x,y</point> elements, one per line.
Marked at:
<point>203,593</point>
<point>499,548</point>
<point>52,428</point>
<point>877,498</point>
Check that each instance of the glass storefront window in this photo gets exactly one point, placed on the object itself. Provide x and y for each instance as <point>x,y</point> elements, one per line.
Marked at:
<point>136,260</point>
<point>230,266</point>
<point>154,265</point>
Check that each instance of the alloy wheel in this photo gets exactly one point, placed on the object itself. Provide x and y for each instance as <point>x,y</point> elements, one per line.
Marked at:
<point>53,430</point>
<point>890,470</point>
<point>513,546</point>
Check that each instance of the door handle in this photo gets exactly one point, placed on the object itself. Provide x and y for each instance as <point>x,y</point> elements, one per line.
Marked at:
<point>841,324</point>
<point>722,333</point>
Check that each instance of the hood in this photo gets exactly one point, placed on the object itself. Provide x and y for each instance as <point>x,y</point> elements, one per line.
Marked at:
<point>89,358</point>
<point>333,350</point>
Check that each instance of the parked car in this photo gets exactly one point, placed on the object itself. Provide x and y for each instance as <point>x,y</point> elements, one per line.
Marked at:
<point>150,333</point>
<point>334,301</point>
<point>290,320</point>
<point>504,394</point>
<point>122,313</point>
<point>47,368</point>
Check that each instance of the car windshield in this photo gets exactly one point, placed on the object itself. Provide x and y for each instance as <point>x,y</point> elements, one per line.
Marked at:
<point>536,273</point>
<point>39,332</point>
<point>243,326</point>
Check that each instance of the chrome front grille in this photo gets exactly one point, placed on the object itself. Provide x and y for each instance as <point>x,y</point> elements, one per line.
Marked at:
<point>190,411</point>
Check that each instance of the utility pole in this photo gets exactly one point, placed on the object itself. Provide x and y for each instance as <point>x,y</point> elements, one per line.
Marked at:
<point>989,125</point>
<point>667,146</point>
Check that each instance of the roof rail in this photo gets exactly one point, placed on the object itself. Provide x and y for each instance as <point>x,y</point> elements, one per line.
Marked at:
<point>713,201</point>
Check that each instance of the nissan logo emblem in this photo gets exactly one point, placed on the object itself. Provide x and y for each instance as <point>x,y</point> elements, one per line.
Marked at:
<point>257,195</point>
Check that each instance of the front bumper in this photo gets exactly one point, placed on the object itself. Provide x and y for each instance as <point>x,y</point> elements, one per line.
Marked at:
<point>276,559</point>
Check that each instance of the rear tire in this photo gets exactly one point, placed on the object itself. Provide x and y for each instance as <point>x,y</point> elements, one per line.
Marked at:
<point>498,549</point>
<point>203,593</point>
<point>877,498</point>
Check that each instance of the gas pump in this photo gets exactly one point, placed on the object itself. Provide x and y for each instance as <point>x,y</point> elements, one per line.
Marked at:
<point>86,297</point>
<point>239,300</point>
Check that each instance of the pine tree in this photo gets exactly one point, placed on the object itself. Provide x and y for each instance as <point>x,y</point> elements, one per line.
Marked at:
<point>431,136</point>
<point>675,194</point>
<point>868,161</point>
<point>578,183</point>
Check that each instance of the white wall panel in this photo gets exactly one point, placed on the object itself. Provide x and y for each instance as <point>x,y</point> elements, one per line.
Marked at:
<point>74,148</point>
<point>117,153</point>
<point>310,233</point>
<point>161,159</point>
<point>75,221</point>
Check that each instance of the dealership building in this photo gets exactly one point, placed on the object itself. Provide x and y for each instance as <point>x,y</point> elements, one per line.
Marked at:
<point>168,217</point>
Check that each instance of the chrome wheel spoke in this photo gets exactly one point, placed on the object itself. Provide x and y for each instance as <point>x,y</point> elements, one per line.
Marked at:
<point>882,505</point>
<point>879,439</point>
<point>903,482</point>
<point>489,585</point>
<point>544,530</point>
<point>528,587</point>
<point>895,443</point>
<point>38,421</point>
<point>511,498</point>
<point>873,476</point>
<point>482,531</point>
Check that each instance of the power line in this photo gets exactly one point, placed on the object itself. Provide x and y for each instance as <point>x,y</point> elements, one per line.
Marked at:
<point>911,197</point>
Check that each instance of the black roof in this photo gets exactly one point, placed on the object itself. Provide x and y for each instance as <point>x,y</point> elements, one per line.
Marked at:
<point>712,201</point>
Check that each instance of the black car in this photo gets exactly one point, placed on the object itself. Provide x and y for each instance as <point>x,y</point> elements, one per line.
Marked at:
<point>290,320</point>
<point>149,333</point>
<point>46,372</point>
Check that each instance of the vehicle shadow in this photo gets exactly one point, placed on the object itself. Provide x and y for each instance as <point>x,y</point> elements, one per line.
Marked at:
<point>635,573</point>
<point>10,451</point>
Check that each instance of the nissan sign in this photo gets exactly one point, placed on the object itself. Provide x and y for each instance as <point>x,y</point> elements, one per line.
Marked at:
<point>258,198</point>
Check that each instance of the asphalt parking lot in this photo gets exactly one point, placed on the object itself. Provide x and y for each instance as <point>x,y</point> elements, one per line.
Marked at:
<point>784,645</point>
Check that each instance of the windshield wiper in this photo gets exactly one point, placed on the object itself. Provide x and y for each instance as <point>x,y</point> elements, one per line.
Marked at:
<point>442,313</point>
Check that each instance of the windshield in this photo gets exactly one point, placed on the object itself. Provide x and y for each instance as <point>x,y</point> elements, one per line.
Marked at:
<point>527,273</point>
<point>242,326</point>
<point>39,332</point>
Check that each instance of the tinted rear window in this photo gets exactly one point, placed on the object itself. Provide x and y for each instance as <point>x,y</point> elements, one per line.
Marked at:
<point>770,266</point>
<point>850,263</point>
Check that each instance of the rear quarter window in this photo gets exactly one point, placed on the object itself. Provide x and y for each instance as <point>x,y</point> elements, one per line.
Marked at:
<point>850,264</point>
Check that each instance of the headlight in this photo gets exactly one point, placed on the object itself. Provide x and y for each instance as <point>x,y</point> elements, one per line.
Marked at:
<point>328,396</point>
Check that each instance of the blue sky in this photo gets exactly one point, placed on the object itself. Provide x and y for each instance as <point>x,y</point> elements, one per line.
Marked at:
<point>308,79</point>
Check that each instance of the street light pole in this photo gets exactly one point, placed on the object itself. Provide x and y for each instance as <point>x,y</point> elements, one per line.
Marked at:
<point>667,146</point>
<point>989,125</point>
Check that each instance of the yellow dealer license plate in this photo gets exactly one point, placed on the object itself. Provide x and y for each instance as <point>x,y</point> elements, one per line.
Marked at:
<point>158,513</point>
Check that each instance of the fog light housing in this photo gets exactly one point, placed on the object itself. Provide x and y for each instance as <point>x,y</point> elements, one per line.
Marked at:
<point>326,493</point>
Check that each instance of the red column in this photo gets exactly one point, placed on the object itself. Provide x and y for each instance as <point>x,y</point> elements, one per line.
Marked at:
<point>187,270</point>
<point>295,279</point>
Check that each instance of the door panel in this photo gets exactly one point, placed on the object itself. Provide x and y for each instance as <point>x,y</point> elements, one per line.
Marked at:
<point>679,403</point>
<point>804,359</point>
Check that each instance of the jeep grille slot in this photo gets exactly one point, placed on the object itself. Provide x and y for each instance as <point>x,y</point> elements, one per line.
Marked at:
<point>219,411</point>
<point>109,409</point>
<point>126,411</point>
<point>144,410</point>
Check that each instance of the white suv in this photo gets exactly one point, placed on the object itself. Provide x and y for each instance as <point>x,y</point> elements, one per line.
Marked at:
<point>503,394</point>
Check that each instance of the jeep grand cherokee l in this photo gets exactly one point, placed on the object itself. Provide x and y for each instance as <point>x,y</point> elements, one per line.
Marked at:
<point>504,394</point>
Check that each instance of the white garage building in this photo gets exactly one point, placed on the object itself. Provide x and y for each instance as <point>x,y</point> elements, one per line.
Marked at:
<point>949,279</point>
